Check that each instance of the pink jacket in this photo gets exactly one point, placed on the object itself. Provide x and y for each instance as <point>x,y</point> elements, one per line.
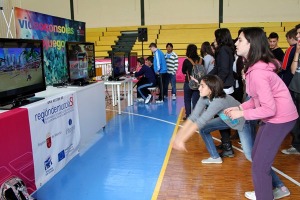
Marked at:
<point>270,98</point>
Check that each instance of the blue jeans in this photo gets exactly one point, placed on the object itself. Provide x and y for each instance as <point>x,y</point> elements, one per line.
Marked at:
<point>172,80</point>
<point>247,138</point>
<point>143,91</point>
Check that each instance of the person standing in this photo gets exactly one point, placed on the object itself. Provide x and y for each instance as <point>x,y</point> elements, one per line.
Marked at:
<point>295,88</point>
<point>160,68</point>
<point>208,56</point>
<point>190,96</point>
<point>268,93</point>
<point>172,66</point>
<point>224,58</point>
<point>285,73</point>
<point>273,43</point>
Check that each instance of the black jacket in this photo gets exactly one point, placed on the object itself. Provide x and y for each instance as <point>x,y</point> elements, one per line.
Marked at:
<point>223,66</point>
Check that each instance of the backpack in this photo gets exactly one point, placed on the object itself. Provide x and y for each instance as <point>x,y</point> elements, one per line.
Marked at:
<point>198,72</point>
<point>14,189</point>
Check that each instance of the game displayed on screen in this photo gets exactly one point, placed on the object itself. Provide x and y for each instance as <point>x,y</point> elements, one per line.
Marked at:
<point>81,61</point>
<point>20,67</point>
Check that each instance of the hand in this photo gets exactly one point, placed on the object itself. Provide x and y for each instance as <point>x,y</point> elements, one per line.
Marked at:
<point>234,114</point>
<point>178,145</point>
<point>228,110</point>
<point>194,79</point>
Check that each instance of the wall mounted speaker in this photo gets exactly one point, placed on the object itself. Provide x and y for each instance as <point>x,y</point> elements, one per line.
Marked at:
<point>142,35</point>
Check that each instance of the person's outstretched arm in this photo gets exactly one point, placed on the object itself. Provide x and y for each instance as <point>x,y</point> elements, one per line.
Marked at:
<point>184,133</point>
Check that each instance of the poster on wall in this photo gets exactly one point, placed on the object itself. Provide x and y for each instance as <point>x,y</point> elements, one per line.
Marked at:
<point>55,32</point>
<point>55,134</point>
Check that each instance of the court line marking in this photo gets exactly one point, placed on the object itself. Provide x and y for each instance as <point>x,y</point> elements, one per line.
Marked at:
<point>236,148</point>
<point>166,160</point>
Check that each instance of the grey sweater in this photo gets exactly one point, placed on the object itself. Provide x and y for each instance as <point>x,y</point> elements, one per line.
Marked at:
<point>205,110</point>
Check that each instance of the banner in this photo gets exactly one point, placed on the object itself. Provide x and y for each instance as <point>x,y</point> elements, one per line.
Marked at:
<point>54,31</point>
<point>15,146</point>
<point>55,134</point>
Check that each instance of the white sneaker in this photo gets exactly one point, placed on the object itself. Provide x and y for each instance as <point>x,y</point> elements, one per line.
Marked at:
<point>173,96</point>
<point>211,160</point>
<point>159,101</point>
<point>140,100</point>
<point>149,97</point>
<point>251,195</point>
<point>291,150</point>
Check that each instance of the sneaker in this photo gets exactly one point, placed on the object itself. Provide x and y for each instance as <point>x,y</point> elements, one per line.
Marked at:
<point>140,100</point>
<point>159,101</point>
<point>173,97</point>
<point>211,160</point>
<point>250,195</point>
<point>291,150</point>
<point>149,97</point>
<point>281,192</point>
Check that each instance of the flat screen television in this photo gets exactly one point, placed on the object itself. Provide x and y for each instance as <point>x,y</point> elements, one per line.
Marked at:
<point>80,62</point>
<point>21,71</point>
<point>118,65</point>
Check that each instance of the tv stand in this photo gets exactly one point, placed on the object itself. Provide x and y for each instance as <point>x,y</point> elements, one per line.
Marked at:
<point>20,102</point>
<point>80,83</point>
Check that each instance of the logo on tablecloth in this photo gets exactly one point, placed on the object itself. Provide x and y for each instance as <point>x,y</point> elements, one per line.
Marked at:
<point>48,140</point>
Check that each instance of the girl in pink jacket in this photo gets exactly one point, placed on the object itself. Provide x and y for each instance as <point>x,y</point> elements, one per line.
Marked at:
<point>270,101</point>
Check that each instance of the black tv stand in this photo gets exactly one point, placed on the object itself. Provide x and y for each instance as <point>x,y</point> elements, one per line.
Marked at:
<point>80,83</point>
<point>20,102</point>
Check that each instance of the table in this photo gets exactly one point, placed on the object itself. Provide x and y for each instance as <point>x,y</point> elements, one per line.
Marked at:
<point>16,132</point>
<point>115,90</point>
<point>91,108</point>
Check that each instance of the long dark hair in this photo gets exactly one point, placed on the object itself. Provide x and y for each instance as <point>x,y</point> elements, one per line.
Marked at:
<point>206,49</point>
<point>215,84</point>
<point>223,38</point>
<point>191,52</point>
<point>259,48</point>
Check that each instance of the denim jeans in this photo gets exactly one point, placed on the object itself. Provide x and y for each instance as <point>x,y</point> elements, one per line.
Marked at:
<point>143,91</point>
<point>172,80</point>
<point>165,83</point>
<point>247,137</point>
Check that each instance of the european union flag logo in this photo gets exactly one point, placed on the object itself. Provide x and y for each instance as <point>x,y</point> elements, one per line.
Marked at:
<point>61,155</point>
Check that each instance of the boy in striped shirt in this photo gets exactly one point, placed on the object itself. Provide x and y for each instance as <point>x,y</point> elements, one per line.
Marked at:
<point>172,66</point>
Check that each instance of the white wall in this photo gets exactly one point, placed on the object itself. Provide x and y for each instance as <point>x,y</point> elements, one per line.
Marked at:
<point>108,13</point>
<point>261,10</point>
<point>58,8</point>
<point>181,12</point>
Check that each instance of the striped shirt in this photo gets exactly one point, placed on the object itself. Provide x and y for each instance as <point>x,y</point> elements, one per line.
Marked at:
<point>172,62</point>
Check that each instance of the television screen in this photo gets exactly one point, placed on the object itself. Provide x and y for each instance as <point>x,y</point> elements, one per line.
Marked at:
<point>81,61</point>
<point>118,65</point>
<point>21,69</point>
